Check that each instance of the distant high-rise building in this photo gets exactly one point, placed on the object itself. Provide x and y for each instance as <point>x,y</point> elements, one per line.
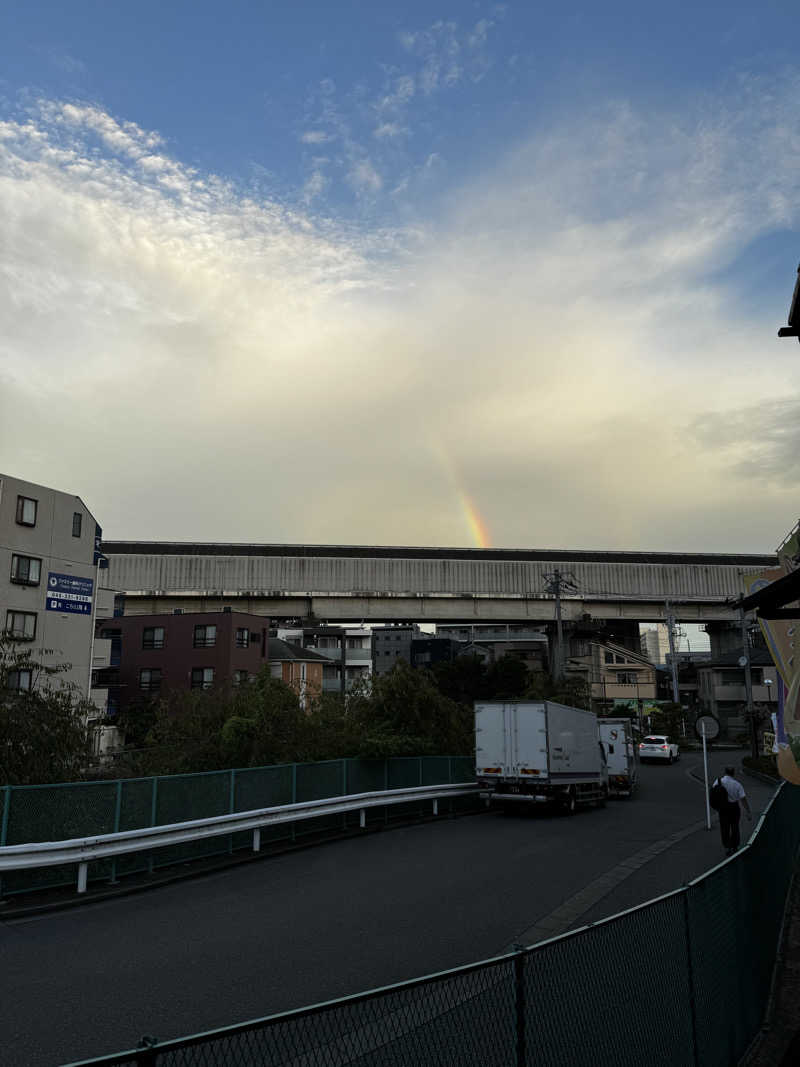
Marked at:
<point>655,643</point>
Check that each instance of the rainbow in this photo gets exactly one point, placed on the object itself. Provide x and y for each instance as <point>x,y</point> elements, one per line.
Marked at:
<point>477,525</point>
<point>478,529</point>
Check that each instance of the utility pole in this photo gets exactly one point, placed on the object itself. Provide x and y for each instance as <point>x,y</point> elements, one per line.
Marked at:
<point>343,665</point>
<point>673,659</point>
<point>557,583</point>
<point>744,661</point>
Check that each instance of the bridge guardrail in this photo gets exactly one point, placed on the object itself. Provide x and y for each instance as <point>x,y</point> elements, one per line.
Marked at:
<point>70,810</point>
<point>82,850</point>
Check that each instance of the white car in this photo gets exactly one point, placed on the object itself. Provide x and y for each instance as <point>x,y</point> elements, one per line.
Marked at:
<point>657,746</point>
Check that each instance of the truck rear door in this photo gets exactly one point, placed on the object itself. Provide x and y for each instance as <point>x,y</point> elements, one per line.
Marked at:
<point>530,740</point>
<point>491,740</point>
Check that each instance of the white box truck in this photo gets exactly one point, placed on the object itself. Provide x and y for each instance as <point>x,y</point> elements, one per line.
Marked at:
<point>620,751</point>
<point>529,752</point>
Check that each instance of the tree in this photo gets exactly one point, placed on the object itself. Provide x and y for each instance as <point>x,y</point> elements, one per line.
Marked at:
<point>407,715</point>
<point>44,735</point>
<point>252,724</point>
<point>571,690</point>
<point>666,719</point>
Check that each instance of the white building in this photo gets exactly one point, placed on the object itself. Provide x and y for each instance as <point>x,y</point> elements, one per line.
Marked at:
<point>327,640</point>
<point>655,643</point>
<point>49,596</point>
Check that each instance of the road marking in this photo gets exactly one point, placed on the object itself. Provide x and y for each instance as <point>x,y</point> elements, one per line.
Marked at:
<point>567,914</point>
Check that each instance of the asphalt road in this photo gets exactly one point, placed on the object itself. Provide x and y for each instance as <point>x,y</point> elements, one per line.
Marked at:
<point>320,923</point>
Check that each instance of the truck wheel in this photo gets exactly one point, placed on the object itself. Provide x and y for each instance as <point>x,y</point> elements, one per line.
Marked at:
<point>569,805</point>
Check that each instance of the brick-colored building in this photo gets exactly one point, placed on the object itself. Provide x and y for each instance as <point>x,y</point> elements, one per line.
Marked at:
<point>301,668</point>
<point>151,654</point>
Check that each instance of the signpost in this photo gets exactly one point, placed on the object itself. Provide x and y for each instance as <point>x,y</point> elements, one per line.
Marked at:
<point>707,727</point>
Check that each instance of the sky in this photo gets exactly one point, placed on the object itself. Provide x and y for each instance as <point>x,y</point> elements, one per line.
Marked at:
<point>481,274</point>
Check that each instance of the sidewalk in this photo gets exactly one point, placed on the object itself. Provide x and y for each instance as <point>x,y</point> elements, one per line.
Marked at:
<point>687,858</point>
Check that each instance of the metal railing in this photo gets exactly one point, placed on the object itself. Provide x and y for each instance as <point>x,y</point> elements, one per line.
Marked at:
<point>79,810</point>
<point>83,850</point>
<point>681,981</point>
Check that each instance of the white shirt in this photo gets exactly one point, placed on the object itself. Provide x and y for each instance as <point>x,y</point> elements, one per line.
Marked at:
<point>734,789</point>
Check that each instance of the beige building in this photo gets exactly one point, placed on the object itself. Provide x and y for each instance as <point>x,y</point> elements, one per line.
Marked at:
<point>613,672</point>
<point>49,597</point>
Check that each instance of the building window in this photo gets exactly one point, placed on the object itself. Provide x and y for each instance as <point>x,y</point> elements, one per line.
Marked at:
<point>21,625</point>
<point>20,680</point>
<point>205,636</point>
<point>202,677</point>
<point>626,677</point>
<point>150,679</point>
<point>25,570</point>
<point>241,677</point>
<point>26,511</point>
<point>77,521</point>
<point>153,637</point>
<point>242,638</point>
<point>609,657</point>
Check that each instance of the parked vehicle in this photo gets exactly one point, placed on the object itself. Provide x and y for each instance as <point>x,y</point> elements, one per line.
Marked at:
<point>658,747</point>
<point>537,752</point>
<point>617,738</point>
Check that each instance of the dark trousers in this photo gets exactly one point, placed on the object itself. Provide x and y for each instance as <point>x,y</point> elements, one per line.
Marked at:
<point>729,825</point>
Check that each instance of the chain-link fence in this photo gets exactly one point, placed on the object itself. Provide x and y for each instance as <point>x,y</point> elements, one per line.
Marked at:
<point>681,980</point>
<point>36,813</point>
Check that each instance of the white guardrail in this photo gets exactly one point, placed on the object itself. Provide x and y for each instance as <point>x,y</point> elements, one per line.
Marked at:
<point>82,850</point>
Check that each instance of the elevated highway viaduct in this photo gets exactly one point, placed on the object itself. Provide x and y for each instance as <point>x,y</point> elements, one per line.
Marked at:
<point>354,583</point>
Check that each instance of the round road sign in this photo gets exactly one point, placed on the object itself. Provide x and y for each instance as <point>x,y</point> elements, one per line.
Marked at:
<point>708,724</point>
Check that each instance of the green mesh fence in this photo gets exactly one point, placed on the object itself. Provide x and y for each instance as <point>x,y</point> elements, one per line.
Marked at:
<point>682,981</point>
<point>58,812</point>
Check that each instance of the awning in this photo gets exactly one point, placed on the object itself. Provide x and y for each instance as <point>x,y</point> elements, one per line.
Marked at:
<point>770,602</point>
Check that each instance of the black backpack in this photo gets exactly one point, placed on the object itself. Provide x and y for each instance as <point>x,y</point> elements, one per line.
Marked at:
<point>718,795</point>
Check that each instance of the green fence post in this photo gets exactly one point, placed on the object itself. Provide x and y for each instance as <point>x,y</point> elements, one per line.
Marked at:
<point>231,802</point>
<point>153,814</point>
<point>294,796</point>
<point>117,814</point>
<point>4,825</point>
<point>344,791</point>
<point>519,1002</point>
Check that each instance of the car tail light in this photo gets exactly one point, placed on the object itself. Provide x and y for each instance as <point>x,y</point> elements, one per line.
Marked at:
<point>665,747</point>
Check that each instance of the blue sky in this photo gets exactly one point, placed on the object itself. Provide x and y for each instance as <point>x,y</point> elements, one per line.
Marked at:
<point>380,260</point>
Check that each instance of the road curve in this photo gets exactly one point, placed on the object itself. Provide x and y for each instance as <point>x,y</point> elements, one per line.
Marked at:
<point>336,919</point>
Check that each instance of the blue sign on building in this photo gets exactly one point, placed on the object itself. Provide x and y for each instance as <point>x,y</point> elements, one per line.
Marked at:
<point>67,592</point>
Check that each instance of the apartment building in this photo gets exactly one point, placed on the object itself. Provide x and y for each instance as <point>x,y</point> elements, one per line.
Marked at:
<point>613,672</point>
<point>50,570</point>
<point>392,643</point>
<point>327,640</point>
<point>520,640</point>
<point>151,654</point>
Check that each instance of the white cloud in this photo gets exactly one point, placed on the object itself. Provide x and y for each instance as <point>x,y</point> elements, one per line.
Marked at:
<point>388,130</point>
<point>200,364</point>
<point>364,178</point>
<point>315,137</point>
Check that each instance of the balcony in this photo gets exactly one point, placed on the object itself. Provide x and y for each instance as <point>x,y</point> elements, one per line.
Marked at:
<point>101,653</point>
<point>104,604</point>
<point>624,690</point>
<point>761,693</point>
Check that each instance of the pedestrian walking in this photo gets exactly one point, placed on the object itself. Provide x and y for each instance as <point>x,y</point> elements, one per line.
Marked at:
<point>729,809</point>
